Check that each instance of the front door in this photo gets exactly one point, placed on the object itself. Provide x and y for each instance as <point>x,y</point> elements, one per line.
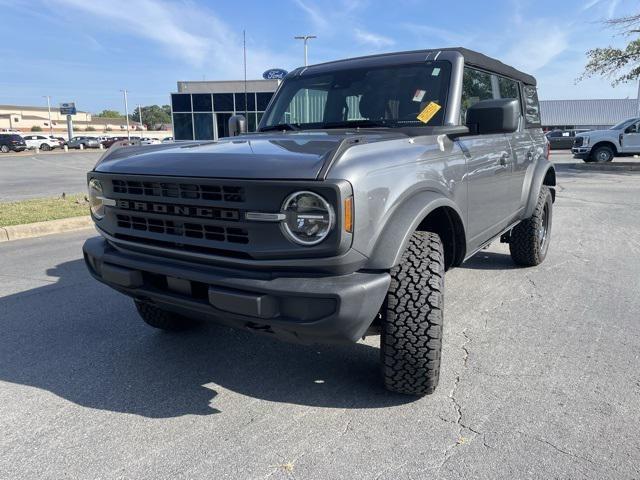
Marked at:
<point>630,139</point>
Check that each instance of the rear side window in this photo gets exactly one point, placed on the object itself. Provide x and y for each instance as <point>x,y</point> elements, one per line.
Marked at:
<point>532,107</point>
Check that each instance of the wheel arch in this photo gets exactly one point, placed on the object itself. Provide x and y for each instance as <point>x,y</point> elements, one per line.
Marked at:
<point>426,211</point>
<point>605,143</point>
<point>545,174</point>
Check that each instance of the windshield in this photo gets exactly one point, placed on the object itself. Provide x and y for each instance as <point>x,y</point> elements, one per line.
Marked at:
<point>621,125</point>
<point>389,96</point>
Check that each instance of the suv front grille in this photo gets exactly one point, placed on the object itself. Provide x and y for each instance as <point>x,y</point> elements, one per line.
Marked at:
<point>578,141</point>
<point>183,229</point>
<point>191,191</point>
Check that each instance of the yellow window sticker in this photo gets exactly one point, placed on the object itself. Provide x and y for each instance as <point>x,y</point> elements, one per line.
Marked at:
<point>428,112</point>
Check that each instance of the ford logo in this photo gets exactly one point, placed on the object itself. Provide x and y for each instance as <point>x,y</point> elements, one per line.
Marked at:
<point>274,74</point>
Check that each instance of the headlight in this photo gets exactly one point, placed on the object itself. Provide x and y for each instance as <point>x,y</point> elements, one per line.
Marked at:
<point>309,218</point>
<point>96,199</point>
<point>585,141</point>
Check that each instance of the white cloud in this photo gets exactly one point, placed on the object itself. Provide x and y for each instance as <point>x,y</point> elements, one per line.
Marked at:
<point>317,18</point>
<point>372,39</point>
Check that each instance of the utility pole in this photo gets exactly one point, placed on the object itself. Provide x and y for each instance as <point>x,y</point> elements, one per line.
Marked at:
<point>140,116</point>
<point>305,38</point>
<point>244,52</point>
<point>49,108</point>
<point>126,112</point>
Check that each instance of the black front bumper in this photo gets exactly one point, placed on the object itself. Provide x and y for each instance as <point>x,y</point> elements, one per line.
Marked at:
<point>301,308</point>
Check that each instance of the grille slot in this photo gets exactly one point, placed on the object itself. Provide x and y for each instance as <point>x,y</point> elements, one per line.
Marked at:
<point>188,229</point>
<point>191,191</point>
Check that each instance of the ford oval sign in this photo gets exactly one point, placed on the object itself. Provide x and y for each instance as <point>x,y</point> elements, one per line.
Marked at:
<point>274,74</point>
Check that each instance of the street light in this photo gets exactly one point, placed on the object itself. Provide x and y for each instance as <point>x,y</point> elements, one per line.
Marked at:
<point>126,112</point>
<point>305,38</point>
<point>49,108</point>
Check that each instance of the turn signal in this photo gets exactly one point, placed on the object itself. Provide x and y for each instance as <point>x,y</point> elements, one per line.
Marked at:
<point>348,214</point>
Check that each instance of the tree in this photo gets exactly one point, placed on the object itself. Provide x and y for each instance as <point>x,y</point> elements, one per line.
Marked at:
<point>36,128</point>
<point>618,64</point>
<point>109,114</point>
<point>152,116</point>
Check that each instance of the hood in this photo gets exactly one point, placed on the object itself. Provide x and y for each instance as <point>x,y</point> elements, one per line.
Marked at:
<point>294,155</point>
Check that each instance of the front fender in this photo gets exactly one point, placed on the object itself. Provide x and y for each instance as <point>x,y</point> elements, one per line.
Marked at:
<point>401,224</point>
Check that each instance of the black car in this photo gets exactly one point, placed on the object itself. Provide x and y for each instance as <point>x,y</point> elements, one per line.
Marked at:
<point>11,141</point>
<point>562,139</point>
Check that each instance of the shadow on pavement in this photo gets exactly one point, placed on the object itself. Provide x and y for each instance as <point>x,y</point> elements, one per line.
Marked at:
<point>490,261</point>
<point>85,343</point>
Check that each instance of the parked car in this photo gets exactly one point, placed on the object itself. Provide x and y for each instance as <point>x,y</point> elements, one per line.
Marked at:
<point>339,227</point>
<point>11,141</point>
<point>167,140</point>
<point>149,141</point>
<point>86,142</point>
<point>620,140</point>
<point>562,139</point>
<point>44,143</point>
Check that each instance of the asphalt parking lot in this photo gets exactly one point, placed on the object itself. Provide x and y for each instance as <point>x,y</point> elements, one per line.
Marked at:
<point>540,376</point>
<point>30,175</point>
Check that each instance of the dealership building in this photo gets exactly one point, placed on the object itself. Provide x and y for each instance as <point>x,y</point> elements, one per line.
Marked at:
<point>201,110</point>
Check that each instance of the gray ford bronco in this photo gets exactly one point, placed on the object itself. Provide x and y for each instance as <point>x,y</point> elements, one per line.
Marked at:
<point>367,180</point>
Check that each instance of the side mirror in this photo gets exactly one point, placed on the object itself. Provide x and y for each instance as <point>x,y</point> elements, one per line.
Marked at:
<point>237,125</point>
<point>493,116</point>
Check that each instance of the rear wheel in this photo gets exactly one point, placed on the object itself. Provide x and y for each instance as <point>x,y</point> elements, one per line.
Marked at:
<point>45,147</point>
<point>602,154</point>
<point>412,315</point>
<point>529,240</point>
<point>162,319</point>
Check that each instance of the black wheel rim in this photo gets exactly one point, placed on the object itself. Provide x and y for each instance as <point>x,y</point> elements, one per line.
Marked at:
<point>543,229</point>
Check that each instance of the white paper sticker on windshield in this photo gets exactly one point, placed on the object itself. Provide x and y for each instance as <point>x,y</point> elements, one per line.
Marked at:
<point>419,95</point>
<point>435,72</point>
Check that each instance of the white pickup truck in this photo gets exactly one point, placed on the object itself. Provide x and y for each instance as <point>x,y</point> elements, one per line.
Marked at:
<point>603,145</point>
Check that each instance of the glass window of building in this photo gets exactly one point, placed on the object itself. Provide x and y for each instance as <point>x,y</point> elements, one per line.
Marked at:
<point>222,119</point>
<point>182,126</point>
<point>203,126</point>
<point>240,103</point>
<point>202,102</point>
<point>181,102</point>
<point>263,99</point>
<point>223,102</point>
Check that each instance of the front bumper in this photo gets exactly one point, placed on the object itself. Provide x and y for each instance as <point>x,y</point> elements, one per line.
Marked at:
<point>296,307</point>
<point>18,148</point>
<point>581,152</point>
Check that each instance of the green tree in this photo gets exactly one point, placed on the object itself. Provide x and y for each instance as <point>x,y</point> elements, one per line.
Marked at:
<point>620,65</point>
<point>90,129</point>
<point>153,115</point>
<point>36,128</point>
<point>109,114</point>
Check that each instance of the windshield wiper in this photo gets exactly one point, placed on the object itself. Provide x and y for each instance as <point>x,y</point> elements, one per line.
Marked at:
<point>280,126</point>
<point>356,124</point>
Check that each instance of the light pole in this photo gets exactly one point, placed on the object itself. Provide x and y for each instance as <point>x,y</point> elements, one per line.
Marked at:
<point>126,112</point>
<point>305,38</point>
<point>49,108</point>
<point>140,116</point>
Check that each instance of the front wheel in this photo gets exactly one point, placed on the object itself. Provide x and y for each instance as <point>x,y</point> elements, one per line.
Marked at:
<point>412,316</point>
<point>529,240</point>
<point>602,154</point>
<point>4,149</point>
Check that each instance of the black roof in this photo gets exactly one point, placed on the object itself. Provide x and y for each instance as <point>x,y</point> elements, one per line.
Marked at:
<point>471,57</point>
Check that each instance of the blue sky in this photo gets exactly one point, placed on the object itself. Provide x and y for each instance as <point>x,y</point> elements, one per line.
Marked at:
<point>87,50</point>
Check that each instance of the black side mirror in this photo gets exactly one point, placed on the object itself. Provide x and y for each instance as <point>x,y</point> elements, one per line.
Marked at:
<point>493,116</point>
<point>237,125</point>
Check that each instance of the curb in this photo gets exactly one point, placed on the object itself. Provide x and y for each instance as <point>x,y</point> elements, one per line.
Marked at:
<point>40,229</point>
<point>612,166</point>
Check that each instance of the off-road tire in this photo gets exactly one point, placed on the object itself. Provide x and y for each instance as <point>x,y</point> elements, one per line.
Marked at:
<point>411,318</point>
<point>602,154</point>
<point>526,245</point>
<point>4,149</point>
<point>162,319</point>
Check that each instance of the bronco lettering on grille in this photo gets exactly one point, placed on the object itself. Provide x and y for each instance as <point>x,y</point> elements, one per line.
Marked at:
<point>181,210</point>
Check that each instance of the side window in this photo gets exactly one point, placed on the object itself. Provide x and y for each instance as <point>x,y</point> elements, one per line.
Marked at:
<point>532,106</point>
<point>508,88</point>
<point>476,86</point>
